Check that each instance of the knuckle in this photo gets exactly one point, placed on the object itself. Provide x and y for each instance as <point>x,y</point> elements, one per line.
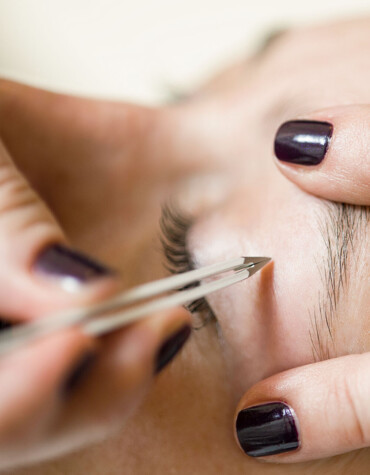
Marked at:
<point>23,215</point>
<point>26,223</point>
<point>16,196</point>
<point>18,202</point>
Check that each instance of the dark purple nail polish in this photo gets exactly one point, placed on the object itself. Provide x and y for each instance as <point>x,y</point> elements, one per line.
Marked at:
<point>4,324</point>
<point>171,347</point>
<point>72,266</point>
<point>303,142</point>
<point>78,373</point>
<point>267,429</point>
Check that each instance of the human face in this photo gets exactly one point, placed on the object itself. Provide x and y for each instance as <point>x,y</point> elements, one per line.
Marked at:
<point>217,148</point>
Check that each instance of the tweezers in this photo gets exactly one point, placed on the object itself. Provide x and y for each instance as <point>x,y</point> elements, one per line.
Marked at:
<point>136,303</point>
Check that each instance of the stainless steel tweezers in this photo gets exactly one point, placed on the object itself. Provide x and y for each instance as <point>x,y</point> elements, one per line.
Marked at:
<point>136,303</point>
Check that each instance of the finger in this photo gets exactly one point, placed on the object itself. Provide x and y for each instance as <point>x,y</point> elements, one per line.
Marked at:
<point>327,153</point>
<point>126,362</point>
<point>32,382</point>
<point>39,275</point>
<point>307,413</point>
<point>38,272</point>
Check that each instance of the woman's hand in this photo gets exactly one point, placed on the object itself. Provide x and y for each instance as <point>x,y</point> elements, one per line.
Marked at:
<point>321,409</point>
<point>66,390</point>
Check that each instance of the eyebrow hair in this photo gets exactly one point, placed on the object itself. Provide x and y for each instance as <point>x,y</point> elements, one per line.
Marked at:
<point>343,227</point>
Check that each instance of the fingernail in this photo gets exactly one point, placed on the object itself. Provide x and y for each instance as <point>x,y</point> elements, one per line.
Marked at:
<point>78,373</point>
<point>267,429</point>
<point>171,347</point>
<point>72,267</point>
<point>303,142</point>
<point>4,324</point>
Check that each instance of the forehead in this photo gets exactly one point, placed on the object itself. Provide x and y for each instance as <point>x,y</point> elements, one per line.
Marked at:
<point>271,225</point>
<point>255,218</point>
<point>313,68</point>
<point>320,275</point>
<point>264,214</point>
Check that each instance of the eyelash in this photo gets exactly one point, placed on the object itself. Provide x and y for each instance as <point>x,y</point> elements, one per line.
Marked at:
<point>174,224</point>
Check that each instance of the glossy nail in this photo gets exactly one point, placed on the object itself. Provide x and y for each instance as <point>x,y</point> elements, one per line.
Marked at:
<point>267,429</point>
<point>72,267</point>
<point>303,142</point>
<point>78,373</point>
<point>171,347</point>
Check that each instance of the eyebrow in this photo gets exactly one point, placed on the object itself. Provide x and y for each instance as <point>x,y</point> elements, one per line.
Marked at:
<point>343,227</point>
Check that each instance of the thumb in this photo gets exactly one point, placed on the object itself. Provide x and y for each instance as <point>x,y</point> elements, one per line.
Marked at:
<point>327,153</point>
<point>38,273</point>
<point>307,413</point>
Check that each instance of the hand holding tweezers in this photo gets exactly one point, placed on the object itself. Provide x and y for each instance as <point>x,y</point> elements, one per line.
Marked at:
<point>126,307</point>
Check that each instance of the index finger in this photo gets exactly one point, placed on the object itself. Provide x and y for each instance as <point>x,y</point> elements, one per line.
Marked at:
<point>32,381</point>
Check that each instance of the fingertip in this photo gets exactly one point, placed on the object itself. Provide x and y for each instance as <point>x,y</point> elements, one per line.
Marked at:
<point>326,153</point>
<point>303,142</point>
<point>160,336</point>
<point>58,278</point>
<point>31,377</point>
<point>267,429</point>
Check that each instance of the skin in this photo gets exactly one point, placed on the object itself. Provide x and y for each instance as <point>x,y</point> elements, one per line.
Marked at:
<point>223,136</point>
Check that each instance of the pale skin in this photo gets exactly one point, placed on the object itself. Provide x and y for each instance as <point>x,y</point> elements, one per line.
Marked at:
<point>104,169</point>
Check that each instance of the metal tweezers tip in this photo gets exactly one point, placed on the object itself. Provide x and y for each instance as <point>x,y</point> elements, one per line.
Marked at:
<point>254,264</point>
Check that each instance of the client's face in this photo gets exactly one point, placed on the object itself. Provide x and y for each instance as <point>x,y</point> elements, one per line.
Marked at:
<point>214,153</point>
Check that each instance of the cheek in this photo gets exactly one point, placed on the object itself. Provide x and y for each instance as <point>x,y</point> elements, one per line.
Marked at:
<point>265,320</point>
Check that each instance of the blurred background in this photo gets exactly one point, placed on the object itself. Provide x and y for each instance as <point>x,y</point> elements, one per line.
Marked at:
<point>142,50</point>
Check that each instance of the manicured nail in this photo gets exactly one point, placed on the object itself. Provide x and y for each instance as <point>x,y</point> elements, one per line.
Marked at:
<point>171,347</point>
<point>4,324</point>
<point>303,142</point>
<point>72,267</point>
<point>267,429</point>
<point>78,373</point>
